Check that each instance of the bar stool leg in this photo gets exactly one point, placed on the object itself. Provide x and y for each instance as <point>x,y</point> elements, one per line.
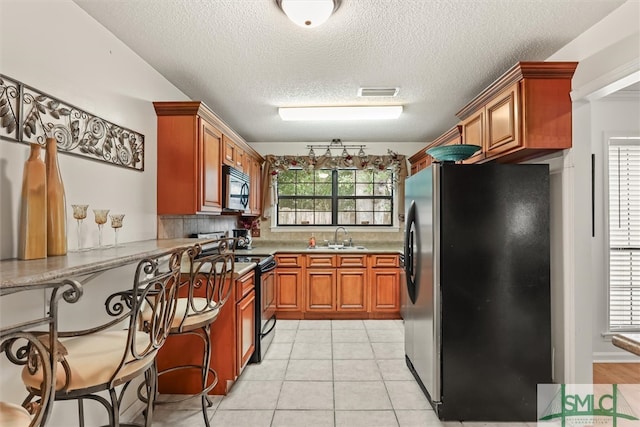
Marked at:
<point>206,363</point>
<point>150,380</point>
<point>115,408</point>
<point>81,412</point>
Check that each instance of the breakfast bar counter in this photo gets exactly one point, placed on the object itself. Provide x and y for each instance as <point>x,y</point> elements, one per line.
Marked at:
<point>17,275</point>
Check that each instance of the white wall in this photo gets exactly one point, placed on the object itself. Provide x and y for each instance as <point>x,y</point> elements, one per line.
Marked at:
<point>616,115</point>
<point>609,56</point>
<point>56,47</point>
<point>59,49</point>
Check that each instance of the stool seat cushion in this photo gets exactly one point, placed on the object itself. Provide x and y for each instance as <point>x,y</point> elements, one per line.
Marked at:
<point>93,360</point>
<point>194,318</point>
<point>12,415</point>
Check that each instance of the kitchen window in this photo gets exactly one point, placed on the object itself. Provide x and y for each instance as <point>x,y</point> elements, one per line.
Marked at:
<point>624,233</point>
<point>335,197</point>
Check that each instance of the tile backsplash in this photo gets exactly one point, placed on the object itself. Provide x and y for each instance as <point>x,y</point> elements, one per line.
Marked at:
<point>359,236</point>
<point>173,227</point>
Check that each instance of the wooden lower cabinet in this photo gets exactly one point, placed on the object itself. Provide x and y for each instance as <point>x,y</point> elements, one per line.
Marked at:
<point>352,290</point>
<point>321,289</point>
<point>288,286</point>
<point>385,285</point>
<point>245,330</point>
<point>385,290</point>
<point>289,289</point>
<point>232,344</point>
<point>327,286</point>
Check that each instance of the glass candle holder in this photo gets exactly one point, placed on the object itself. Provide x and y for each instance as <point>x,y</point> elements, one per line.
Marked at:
<point>116,224</point>
<point>79,213</point>
<point>101,219</point>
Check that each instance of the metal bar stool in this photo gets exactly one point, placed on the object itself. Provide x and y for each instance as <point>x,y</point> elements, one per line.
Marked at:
<point>207,289</point>
<point>34,350</point>
<point>112,354</point>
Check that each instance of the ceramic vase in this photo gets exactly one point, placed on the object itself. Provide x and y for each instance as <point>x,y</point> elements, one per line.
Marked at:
<point>56,205</point>
<point>32,242</point>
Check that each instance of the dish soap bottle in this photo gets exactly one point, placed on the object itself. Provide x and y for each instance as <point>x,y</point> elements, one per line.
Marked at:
<point>312,241</point>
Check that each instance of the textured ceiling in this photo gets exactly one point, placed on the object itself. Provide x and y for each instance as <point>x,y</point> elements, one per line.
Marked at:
<point>244,58</point>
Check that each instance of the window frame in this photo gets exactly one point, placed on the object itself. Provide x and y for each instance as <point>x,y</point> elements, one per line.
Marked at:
<point>335,198</point>
<point>608,246</point>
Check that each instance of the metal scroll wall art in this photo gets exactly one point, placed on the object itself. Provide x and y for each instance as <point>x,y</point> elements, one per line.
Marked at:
<point>28,115</point>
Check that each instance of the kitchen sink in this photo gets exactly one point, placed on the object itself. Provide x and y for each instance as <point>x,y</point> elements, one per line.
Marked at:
<point>360,248</point>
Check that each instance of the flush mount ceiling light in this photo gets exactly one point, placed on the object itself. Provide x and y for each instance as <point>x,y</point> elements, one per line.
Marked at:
<point>378,112</point>
<point>308,13</point>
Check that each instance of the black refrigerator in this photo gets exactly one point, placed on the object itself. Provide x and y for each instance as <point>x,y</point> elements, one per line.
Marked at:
<point>477,310</point>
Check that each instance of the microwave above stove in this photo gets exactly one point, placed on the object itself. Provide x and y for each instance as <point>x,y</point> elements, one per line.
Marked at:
<point>235,190</point>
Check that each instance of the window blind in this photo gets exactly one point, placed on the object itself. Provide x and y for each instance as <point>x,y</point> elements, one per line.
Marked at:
<point>624,234</point>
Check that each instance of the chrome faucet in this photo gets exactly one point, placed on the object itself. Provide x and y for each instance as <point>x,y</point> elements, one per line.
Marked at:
<point>335,235</point>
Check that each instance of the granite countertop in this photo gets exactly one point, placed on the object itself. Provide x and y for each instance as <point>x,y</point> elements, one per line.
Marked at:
<point>629,342</point>
<point>17,274</point>
<point>242,268</point>
<point>273,247</point>
<point>239,268</point>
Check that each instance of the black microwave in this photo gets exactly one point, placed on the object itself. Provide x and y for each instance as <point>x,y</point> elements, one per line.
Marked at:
<point>235,190</point>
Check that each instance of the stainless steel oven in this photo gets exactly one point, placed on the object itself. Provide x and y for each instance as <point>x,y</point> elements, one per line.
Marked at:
<point>235,191</point>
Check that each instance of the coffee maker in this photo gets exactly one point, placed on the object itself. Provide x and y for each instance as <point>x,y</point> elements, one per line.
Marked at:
<point>244,238</point>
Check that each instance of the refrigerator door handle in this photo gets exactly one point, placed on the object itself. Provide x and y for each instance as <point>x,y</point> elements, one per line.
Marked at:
<point>409,252</point>
<point>436,307</point>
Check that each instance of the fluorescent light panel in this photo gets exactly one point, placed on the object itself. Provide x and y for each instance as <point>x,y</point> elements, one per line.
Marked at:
<point>378,112</point>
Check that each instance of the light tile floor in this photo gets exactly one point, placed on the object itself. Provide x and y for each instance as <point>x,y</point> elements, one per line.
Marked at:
<point>317,373</point>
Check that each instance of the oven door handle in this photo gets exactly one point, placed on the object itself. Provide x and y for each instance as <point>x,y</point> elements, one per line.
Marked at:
<point>272,318</point>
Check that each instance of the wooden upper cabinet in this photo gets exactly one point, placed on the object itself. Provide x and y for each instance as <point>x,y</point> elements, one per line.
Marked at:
<point>473,133</point>
<point>256,187</point>
<point>233,154</point>
<point>494,127</point>
<point>524,114</point>
<point>420,160</point>
<point>253,168</point>
<point>211,179</point>
<point>240,159</point>
<point>189,171</point>
<point>502,121</point>
<point>193,143</point>
<point>228,152</point>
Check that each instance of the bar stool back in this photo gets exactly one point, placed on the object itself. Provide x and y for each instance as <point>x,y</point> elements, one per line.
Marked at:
<point>209,286</point>
<point>112,354</point>
<point>24,346</point>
